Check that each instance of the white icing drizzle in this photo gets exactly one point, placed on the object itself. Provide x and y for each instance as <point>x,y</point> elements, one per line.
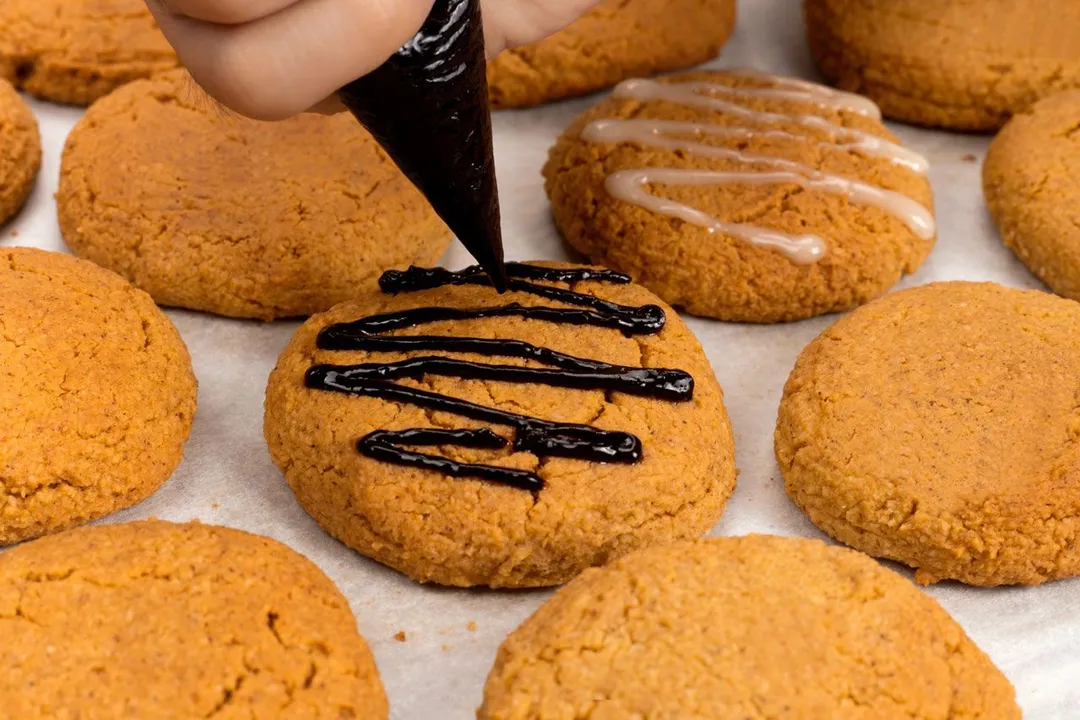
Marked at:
<point>656,133</point>
<point>702,94</point>
<point>631,185</point>
<point>796,90</point>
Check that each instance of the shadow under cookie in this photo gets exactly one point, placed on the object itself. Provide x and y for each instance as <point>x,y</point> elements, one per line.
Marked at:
<point>154,619</point>
<point>98,396</point>
<point>213,212</point>
<point>76,51</point>
<point>747,627</point>
<point>938,427</point>
<point>743,196</point>
<point>469,438</point>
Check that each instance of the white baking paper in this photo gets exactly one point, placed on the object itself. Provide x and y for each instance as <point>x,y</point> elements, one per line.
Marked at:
<point>438,671</point>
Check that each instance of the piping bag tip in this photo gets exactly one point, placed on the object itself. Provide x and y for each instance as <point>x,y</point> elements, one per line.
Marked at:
<point>428,107</point>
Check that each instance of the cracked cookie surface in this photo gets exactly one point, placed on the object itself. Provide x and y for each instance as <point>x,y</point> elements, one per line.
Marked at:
<point>714,273</point>
<point>98,394</point>
<point>957,64</point>
<point>752,627</point>
<point>939,427</point>
<point>465,531</point>
<point>1029,179</point>
<point>234,216</point>
<point>75,51</point>
<point>20,152</point>
<point>613,41</point>
<point>158,620</point>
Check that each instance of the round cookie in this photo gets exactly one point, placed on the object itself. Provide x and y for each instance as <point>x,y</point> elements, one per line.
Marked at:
<point>405,459</point>
<point>98,394</point>
<point>743,196</point>
<point>958,64</point>
<point>20,152</point>
<point>615,40</point>
<point>75,51</point>
<point>153,619</point>
<point>748,627</point>
<point>233,216</point>
<point>1029,179</point>
<point>938,427</point>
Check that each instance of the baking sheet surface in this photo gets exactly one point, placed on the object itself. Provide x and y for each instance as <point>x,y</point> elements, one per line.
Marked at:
<point>438,671</point>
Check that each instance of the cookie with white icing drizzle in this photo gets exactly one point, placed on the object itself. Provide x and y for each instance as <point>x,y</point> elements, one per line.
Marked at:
<point>743,196</point>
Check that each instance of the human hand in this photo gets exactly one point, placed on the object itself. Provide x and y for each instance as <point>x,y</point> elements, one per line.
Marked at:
<point>270,59</point>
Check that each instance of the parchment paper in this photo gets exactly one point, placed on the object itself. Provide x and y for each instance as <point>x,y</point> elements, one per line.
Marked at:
<point>1033,634</point>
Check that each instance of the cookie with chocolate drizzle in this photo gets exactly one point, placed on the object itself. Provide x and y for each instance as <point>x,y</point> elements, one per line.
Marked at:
<point>743,196</point>
<point>468,438</point>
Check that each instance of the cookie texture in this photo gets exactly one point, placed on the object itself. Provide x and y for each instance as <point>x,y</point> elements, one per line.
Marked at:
<point>157,620</point>
<point>753,627</point>
<point>234,216</point>
<point>1029,179</point>
<point>957,64</point>
<point>615,40</point>
<point>98,394</point>
<point>20,152</point>
<point>939,427</point>
<point>76,51</point>
<point>466,531</point>
<point>710,188</point>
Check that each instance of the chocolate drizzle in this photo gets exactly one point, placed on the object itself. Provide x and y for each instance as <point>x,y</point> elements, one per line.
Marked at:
<point>543,438</point>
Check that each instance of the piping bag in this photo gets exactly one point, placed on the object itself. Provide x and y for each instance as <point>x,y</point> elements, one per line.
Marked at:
<point>427,106</point>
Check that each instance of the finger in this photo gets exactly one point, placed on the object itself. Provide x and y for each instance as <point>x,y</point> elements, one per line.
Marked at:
<point>222,12</point>
<point>512,24</point>
<point>282,64</point>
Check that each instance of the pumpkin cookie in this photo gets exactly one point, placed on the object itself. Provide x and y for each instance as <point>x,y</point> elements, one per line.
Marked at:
<point>156,620</point>
<point>750,627</point>
<point>75,51</point>
<point>743,196</point>
<point>615,40</point>
<point>939,427</point>
<point>20,152</point>
<point>959,64</point>
<point>469,438</point>
<point>97,399</point>
<point>234,216</point>
<point>1029,179</point>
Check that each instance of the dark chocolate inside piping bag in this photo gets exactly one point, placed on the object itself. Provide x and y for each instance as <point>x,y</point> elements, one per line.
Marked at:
<point>428,108</point>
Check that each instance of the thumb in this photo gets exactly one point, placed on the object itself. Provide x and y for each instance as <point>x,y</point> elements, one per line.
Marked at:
<point>284,63</point>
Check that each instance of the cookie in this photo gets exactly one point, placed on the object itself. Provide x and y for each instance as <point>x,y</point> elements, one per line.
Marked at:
<point>75,51</point>
<point>97,399</point>
<point>748,627</point>
<point>957,64</point>
<point>154,619</point>
<point>743,196</point>
<point>469,438</point>
<point>20,152</point>
<point>1029,179</point>
<point>234,216</point>
<point>615,40</point>
<point>938,427</point>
